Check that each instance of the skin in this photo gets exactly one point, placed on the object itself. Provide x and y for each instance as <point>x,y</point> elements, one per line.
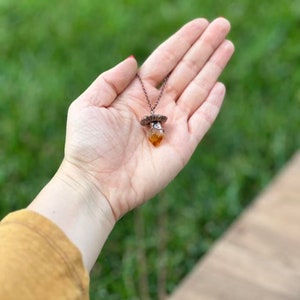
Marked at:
<point>109,166</point>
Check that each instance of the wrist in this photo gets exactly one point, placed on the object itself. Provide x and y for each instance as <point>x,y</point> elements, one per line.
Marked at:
<point>73,202</point>
<point>83,186</point>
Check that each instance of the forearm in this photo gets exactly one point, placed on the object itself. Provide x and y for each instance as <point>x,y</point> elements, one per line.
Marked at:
<point>35,255</point>
<point>76,206</point>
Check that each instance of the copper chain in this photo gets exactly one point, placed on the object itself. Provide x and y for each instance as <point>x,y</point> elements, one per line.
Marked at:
<point>163,85</point>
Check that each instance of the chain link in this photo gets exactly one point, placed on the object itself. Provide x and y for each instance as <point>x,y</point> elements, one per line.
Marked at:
<point>163,85</point>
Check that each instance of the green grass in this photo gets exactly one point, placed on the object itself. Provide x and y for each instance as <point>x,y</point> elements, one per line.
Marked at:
<point>49,53</point>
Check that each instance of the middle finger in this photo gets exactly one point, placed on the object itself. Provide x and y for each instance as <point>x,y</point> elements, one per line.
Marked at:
<point>191,64</point>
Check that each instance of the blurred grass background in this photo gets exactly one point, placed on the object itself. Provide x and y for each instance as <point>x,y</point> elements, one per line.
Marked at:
<point>50,51</point>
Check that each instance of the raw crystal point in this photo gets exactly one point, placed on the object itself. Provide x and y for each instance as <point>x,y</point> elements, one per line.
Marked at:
<point>156,133</point>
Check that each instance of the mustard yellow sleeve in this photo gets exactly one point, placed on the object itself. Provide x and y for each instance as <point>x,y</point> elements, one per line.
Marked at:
<point>38,261</point>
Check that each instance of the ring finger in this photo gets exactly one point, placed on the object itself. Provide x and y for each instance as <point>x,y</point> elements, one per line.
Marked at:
<point>199,88</point>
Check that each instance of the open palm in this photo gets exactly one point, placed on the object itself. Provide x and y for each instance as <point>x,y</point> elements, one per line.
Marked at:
<point>104,136</point>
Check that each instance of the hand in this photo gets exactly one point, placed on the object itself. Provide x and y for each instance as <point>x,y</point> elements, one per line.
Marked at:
<point>105,141</point>
<point>110,167</point>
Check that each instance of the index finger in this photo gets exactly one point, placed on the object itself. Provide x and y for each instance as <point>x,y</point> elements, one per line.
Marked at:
<point>164,59</point>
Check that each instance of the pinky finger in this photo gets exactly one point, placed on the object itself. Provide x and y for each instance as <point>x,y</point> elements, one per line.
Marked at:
<point>203,118</point>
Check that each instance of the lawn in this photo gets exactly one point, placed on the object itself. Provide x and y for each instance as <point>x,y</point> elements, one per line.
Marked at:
<point>49,53</point>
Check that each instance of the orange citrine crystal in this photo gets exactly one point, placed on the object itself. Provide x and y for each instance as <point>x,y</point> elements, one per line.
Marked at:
<point>155,137</point>
<point>153,123</point>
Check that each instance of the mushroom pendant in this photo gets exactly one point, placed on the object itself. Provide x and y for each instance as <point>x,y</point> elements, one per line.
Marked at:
<point>155,132</point>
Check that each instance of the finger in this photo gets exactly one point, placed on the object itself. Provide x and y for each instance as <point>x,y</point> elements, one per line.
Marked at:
<point>200,87</point>
<point>105,89</point>
<point>163,60</point>
<point>197,56</point>
<point>202,119</point>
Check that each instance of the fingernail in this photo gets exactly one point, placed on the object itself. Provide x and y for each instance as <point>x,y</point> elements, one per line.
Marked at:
<point>131,56</point>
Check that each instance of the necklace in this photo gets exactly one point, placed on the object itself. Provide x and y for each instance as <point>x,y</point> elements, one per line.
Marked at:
<point>154,121</point>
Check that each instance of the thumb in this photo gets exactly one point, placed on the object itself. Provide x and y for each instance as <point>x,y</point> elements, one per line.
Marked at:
<point>108,85</point>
